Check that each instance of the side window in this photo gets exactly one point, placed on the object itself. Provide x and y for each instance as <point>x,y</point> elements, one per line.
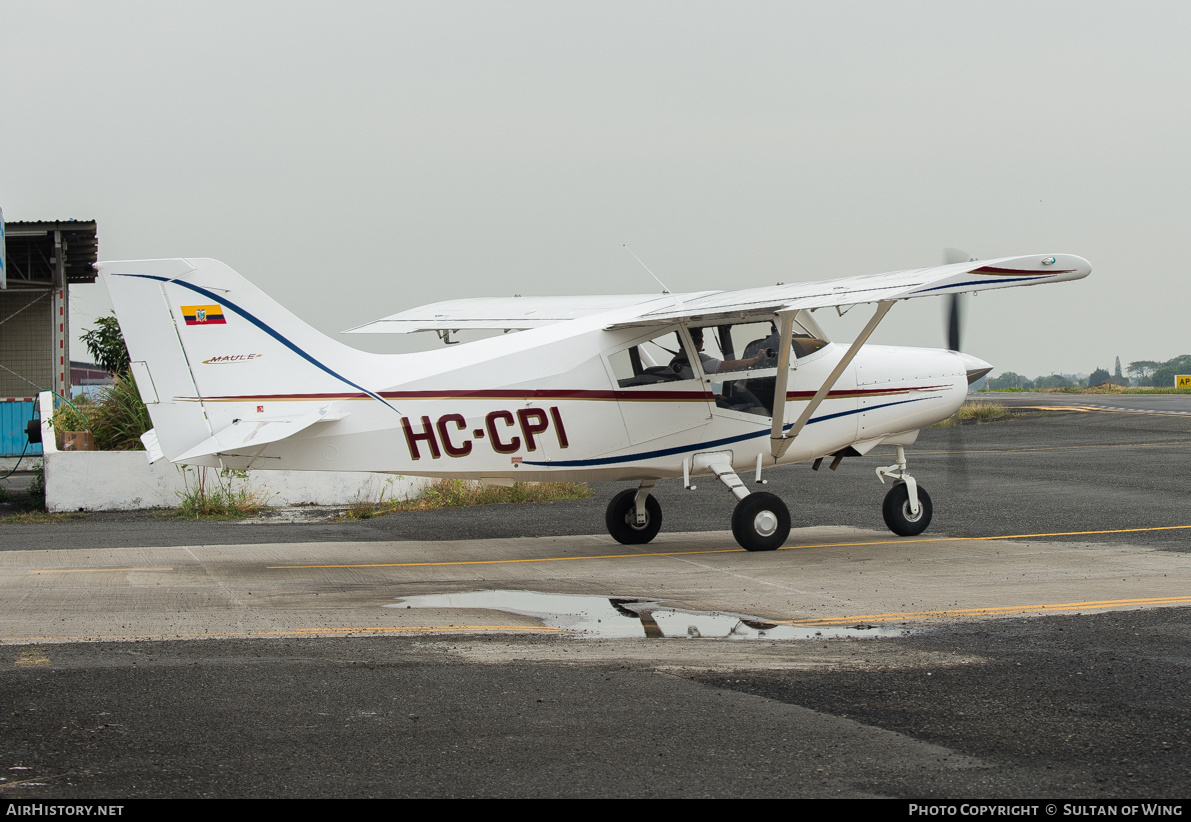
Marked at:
<point>741,361</point>
<point>737,346</point>
<point>661,359</point>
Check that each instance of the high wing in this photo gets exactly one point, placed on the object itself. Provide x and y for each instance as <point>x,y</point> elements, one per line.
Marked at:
<point>499,313</point>
<point>978,275</point>
<point>520,313</point>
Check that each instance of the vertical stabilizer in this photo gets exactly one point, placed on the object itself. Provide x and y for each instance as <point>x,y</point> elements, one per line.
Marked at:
<point>205,344</point>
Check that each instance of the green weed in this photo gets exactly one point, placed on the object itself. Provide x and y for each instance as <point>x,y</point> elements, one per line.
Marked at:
<point>456,493</point>
<point>211,494</point>
<point>977,412</point>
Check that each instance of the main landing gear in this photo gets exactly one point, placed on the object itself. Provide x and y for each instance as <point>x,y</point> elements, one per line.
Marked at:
<point>634,517</point>
<point>760,522</point>
<point>907,508</point>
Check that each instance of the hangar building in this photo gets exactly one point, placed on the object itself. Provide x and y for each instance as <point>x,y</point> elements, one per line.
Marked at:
<point>41,261</point>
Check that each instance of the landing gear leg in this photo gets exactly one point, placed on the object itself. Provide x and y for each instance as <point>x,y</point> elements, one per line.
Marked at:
<point>907,508</point>
<point>634,517</point>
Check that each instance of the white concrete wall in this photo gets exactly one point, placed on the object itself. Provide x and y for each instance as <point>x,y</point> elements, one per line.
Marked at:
<point>124,480</point>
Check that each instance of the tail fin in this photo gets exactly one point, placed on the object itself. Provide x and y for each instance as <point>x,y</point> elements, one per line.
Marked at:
<point>199,334</point>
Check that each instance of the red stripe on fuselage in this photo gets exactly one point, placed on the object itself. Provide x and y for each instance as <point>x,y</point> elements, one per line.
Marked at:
<point>620,395</point>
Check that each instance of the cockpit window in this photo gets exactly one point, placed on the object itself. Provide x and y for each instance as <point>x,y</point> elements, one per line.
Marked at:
<point>739,359</point>
<point>661,359</point>
<point>738,346</point>
<point>753,348</point>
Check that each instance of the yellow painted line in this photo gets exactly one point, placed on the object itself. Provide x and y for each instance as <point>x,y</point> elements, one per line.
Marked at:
<point>90,570</point>
<point>1060,447</point>
<point>541,629</point>
<point>1081,533</point>
<point>1094,408</point>
<point>1053,407</point>
<point>718,550</point>
<point>506,561</point>
<point>32,659</point>
<point>978,539</point>
<point>413,629</point>
<point>996,609</point>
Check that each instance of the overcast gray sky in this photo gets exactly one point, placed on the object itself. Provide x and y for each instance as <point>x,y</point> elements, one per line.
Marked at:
<point>356,159</point>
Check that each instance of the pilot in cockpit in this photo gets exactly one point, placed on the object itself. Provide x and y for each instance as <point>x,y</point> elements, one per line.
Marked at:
<point>740,399</point>
<point>711,365</point>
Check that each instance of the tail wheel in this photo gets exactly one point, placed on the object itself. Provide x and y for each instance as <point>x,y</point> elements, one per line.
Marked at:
<point>761,522</point>
<point>899,518</point>
<point>621,519</point>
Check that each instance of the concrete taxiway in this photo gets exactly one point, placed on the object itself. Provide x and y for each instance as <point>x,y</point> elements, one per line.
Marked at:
<point>827,575</point>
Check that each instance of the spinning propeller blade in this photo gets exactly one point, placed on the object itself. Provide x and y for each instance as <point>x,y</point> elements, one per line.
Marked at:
<point>957,463</point>
<point>954,321</point>
<point>954,305</point>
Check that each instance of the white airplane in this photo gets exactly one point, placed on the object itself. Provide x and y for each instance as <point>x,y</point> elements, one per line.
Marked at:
<point>636,388</point>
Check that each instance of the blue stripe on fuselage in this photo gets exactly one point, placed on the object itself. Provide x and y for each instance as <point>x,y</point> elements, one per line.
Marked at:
<point>702,446</point>
<point>263,326</point>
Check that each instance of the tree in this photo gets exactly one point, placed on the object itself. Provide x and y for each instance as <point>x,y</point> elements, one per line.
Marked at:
<point>1142,369</point>
<point>1117,372</point>
<point>106,344</point>
<point>1098,377</point>
<point>1009,379</point>
<point>1053,381</point>
<point>1165,373</point>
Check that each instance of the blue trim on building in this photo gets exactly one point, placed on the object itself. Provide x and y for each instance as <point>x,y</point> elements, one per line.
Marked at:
<point>13,417</point>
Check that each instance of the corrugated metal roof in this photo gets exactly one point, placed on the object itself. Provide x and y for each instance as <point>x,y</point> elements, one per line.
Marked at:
<point>30,251</point>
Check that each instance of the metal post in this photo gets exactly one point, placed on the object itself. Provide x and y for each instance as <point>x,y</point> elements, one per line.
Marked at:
<point>60,318</point>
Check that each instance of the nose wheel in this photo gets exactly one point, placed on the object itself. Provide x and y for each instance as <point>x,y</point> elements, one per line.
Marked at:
<point>907,508</point>
<point>900,518</point>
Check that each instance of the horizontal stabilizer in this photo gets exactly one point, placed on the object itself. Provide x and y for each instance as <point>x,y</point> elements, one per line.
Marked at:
<point>255,433</point>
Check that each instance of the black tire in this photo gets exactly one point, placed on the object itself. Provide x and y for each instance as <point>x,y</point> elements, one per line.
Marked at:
<point>761,522</point>
<point>896,510</point>
<point>621,519</point>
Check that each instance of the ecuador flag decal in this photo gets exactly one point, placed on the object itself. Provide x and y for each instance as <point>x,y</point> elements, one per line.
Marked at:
<point>203,315</point>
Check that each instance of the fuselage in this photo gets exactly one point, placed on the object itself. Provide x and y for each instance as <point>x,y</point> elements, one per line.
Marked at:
<point>546,404</point>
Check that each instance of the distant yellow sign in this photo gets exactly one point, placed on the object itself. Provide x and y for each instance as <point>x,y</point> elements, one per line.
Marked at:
<point>1182,381</point>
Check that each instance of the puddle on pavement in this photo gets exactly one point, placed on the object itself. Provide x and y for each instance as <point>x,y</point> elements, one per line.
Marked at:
<point>630,617</point>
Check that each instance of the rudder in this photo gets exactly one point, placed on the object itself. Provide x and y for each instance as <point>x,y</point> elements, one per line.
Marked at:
<point>200,336</point>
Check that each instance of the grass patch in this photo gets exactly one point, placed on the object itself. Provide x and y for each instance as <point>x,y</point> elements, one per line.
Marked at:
<point>213,494</point>
<point>977,412</point>
<point>30,517</point>
<point>456,493</point>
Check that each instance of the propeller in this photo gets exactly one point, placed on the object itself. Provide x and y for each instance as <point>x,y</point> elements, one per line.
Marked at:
<point>955,302</point>
<point>957,463</point>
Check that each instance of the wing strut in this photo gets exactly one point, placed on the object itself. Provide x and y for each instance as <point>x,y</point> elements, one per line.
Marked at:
<point>783,379</point>
<point>780,439</point>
